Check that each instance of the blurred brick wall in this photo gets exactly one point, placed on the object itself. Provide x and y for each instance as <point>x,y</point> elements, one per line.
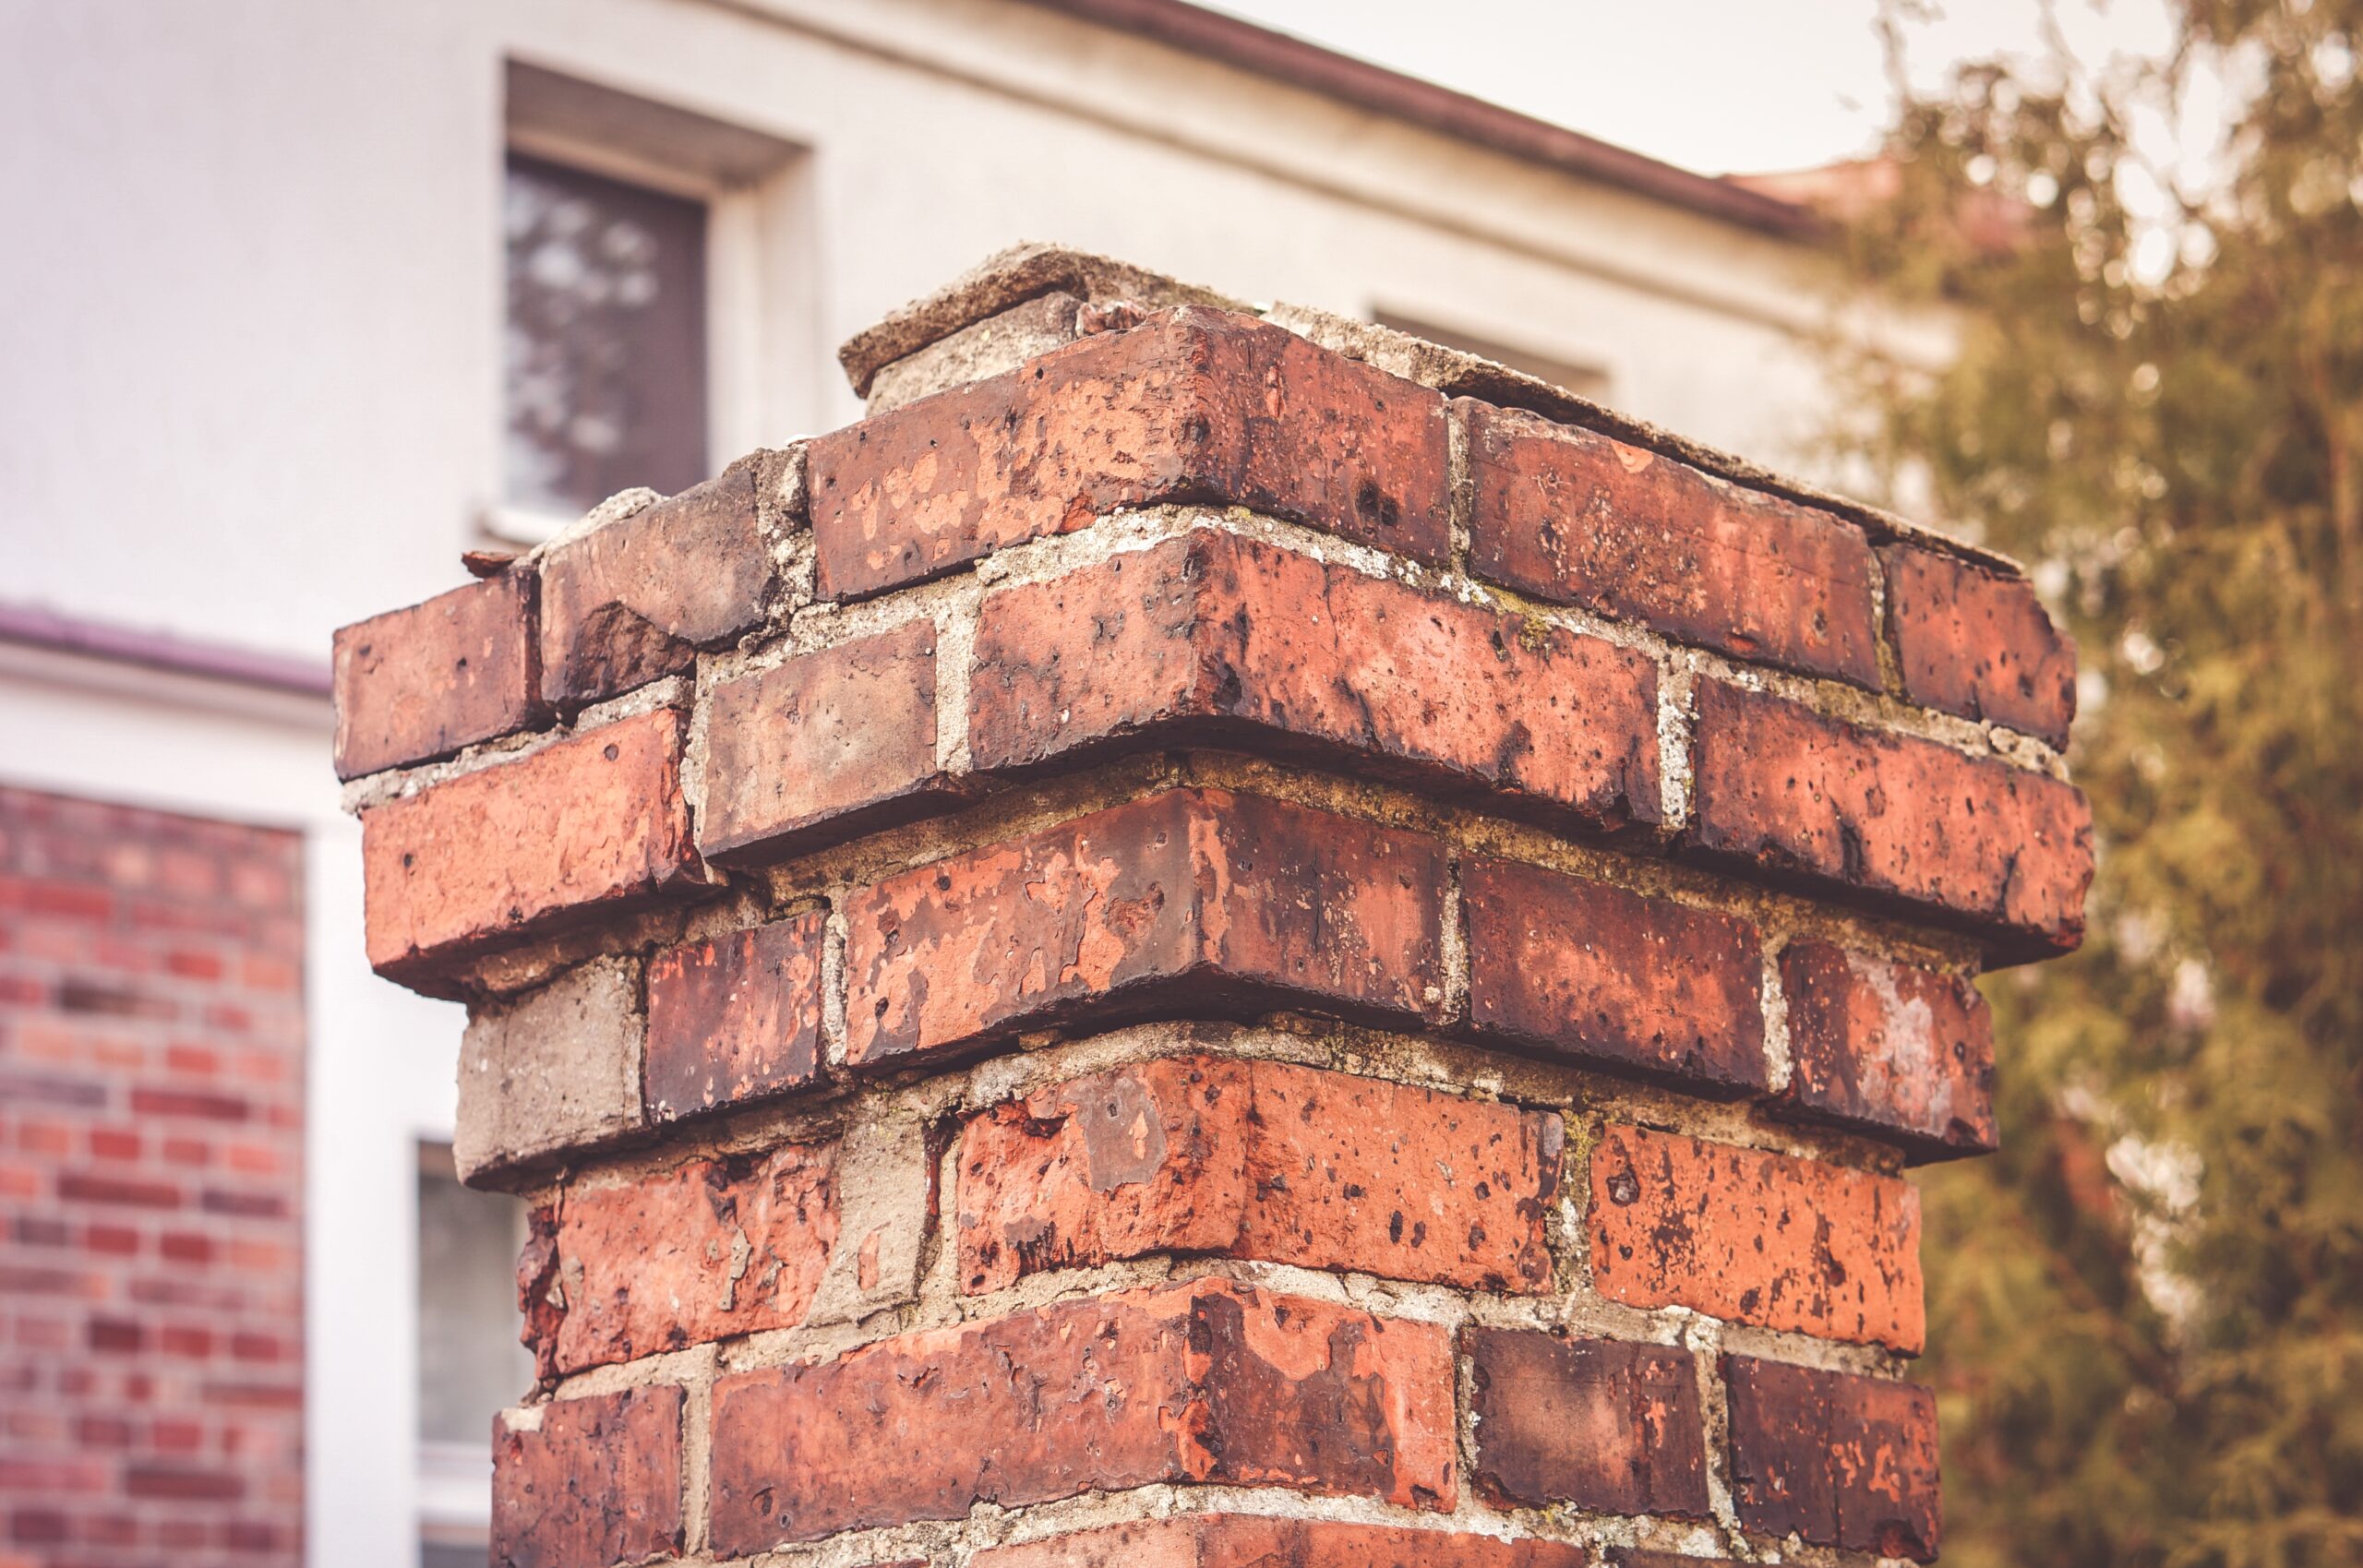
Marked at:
<point>151,1057</point>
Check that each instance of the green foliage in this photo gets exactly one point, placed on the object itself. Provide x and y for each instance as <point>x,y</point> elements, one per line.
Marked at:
<point>2147,1310</point>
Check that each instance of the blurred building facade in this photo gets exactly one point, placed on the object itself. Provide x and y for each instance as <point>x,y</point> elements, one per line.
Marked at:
<point>305,300</point>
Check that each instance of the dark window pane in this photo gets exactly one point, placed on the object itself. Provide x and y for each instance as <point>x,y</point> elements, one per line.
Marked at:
<point>470,1365</point>
<point>606,337</point>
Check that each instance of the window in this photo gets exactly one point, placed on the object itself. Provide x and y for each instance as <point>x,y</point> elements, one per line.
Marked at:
<point>605,350</point>
<point>1584,380</point>
<point>470,1365</point>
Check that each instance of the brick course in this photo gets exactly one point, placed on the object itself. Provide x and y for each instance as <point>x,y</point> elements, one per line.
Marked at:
<point>595,822</point>
<point>1975,644</point>
<point>1258,1160</point>
<point>1968,839</point>
<point>1591,972</point>
<point>421,683</point>
<point>735,1019</point>
<point>1583,519</point>
<point>711,1249</point>
<point>1756,1237</point>
<point>1195,405</point>
<point>1215,634</point>
<point>1203,897</point>
<point>592,1481</point>
<point>1206,1382</point>
<point>1841,1460</point>
<point>1594,1424</point>
<point>1890,1049</point>
<point>822,747</point>
<point>634,599</point>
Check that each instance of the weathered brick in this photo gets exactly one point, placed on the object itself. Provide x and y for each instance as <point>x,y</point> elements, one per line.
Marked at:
<point>1208,1382</point>
<point>634,599</point>
<point>1977,643</point>
<point>1756,1237</point>
<point>591,1483</point>
<point>709,1248</point>
<point>555,1070</point>
<point>1595,1424</point>
<point>1241,1541</point>
<point>1888,1048</point>
<point>1840,1460</point>
<point>1200,899</point>
<point>1583,519</point>
<point>1220,636</point>
<point>417,684</point>
<point>735,1019</point>
<point>826,745</point>
<point>1264,1160</point>
<point>592,825</point>
<point>1585,970</point>
<point>1894,817</point>
<point>1194,405</point>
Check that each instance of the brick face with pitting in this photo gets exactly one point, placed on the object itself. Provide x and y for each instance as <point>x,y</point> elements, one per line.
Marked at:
<point>1210,1381</point>
<point>1228,919</point>
<point>1193,405</point>
<point>1212,634</point>
<point>1258,1160</point>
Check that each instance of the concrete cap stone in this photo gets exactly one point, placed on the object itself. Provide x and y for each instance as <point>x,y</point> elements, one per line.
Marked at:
<point>1010,278</point>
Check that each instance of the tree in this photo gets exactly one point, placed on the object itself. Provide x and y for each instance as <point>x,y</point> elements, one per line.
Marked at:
<point>2148,1308</point>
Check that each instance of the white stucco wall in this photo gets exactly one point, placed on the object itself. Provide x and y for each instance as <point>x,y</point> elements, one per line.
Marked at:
<point>249,384</point>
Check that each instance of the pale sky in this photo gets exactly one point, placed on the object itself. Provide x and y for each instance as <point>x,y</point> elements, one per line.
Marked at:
<point>1713,84</point>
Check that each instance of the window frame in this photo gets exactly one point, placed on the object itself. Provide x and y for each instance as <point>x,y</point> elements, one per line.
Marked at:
<point>761,295</point>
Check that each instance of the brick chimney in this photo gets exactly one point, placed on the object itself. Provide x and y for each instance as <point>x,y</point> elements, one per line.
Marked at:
<point>1219,936</point>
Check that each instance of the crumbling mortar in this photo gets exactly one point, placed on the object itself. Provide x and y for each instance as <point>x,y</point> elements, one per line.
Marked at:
<point>1677,724</point>
<point>1453,950</point>
<point>1779,1063</point>
<point>1463,487</point>
<point>817,625</point>
<point>1884,631</point>
<point>955,648</point>
<point>697,1459</point>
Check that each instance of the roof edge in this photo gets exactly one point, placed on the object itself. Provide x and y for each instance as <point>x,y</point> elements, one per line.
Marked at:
<point>1280,56</point>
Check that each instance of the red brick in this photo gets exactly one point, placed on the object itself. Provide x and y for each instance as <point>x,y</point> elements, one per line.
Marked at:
<point>1892,817</point>
<point>1888,1048</point>
<point>824,745</point>
<point>736,1019</point>
<point>1219,636</point>
<point>591,825</point>
<point>1199,900</point>
<point>1583,519</point>
<point>1239,1540</point>
<point>710,1249</point>
<point>1840,1460</point>
<point>421,683</point>
<point>1258,1160</point>
<point>1977,643</point>
<point>1211,1381</point>
<point>635,600</point>
<point>1591,972</point>
<point>1756,1237</point>
<point>1595,1424</point>
<point>597,1483</point>
<point>1194,405</point>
